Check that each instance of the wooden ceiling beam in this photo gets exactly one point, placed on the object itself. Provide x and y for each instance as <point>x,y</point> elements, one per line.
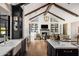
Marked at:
<point>20,4</point>
<point>72,13</point>
<point>37,9</point>
<point>49,6</point>
<point>36,16</point>
<point>56,16</point>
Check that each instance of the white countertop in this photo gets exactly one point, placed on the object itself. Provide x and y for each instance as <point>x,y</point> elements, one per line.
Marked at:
<point>62,45</point>
<point>1,39</point>
<point>5,48</point>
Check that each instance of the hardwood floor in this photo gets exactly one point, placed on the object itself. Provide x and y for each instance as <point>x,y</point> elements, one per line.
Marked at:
<point>37,48</point>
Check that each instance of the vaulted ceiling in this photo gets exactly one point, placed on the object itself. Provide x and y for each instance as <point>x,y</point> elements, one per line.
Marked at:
<point>63,11</point>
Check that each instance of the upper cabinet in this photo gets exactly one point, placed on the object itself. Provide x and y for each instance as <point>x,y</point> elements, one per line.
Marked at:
<point>17,19</point>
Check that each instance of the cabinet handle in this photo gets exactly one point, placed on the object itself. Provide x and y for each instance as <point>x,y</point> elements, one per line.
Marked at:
<point>67,51</point>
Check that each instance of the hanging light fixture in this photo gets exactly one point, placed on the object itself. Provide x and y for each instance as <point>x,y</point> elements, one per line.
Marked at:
<point>46,18</point>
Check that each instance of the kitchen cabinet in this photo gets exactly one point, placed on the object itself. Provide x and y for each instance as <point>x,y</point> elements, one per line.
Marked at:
<point>49,50</point>
<point>17,50</point>
<point>13,48</point>
<point>17,22</point>
<point>23,47</point>
<point>67,52</point>
<point>13,53</point>
<point>60,51</point>
<point>9,53</point>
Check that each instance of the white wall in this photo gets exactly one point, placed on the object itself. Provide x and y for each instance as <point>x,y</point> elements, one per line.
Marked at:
<point>40,21</point>
<point>65,15</point>
<point>26,27</point>
<point>74,29</point>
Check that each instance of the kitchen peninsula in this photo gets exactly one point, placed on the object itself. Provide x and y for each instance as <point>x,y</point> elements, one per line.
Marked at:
<point>59,48</point>
<point>12,47</point>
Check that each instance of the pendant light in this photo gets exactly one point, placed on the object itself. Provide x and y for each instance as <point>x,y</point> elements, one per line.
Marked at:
<point>46,18</point>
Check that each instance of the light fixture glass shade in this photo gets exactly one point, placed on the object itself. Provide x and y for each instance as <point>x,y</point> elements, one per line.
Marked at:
<point>46,18</point>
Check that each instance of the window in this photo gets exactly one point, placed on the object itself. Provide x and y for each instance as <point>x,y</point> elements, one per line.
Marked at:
<point>3,25</point>
<point>54,28</point>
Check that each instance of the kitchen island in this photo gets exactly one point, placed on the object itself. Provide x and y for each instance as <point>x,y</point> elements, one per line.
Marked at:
<point>11,47</point>
<point>59,48</point>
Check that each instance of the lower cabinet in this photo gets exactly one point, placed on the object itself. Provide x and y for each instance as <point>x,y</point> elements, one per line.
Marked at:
<point>18,53</point>
<point>49,49</point>
<point>23,48</point>
<point>61,52</point>
<point>14,52</point>
<point>9,53</point>
<point>67,52</point>
<point>19,50</point>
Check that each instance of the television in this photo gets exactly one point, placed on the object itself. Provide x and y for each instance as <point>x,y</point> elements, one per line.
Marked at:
<point>44,26</point>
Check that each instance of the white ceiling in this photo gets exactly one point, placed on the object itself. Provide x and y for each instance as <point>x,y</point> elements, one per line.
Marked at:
<point>14,3</point>
<point>30,7</point>
<point>62,14</point>
<point>37,12</point>
<point>5,8</point>
<point>73,7</point>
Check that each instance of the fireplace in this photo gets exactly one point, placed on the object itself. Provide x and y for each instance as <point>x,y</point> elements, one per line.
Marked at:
<point>44,26</point>
<point>44,35</point>
<point>44,31</point>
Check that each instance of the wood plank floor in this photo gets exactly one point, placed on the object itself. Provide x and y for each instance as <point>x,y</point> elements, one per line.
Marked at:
<point>37,48</point>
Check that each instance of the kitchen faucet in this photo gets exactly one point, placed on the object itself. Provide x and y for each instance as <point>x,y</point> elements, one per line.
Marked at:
<point>5,39</point>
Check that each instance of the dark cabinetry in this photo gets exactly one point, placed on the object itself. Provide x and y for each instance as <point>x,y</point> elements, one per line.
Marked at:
<point>49,51</point>
<point>23,48</point>
<point>9,53</point>
<point>17,19</point>
<point>67,52</point>
<point>22,51</point>
<point>61,52</point>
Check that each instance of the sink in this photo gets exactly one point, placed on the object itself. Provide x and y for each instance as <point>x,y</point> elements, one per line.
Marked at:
<point>7,44</point>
